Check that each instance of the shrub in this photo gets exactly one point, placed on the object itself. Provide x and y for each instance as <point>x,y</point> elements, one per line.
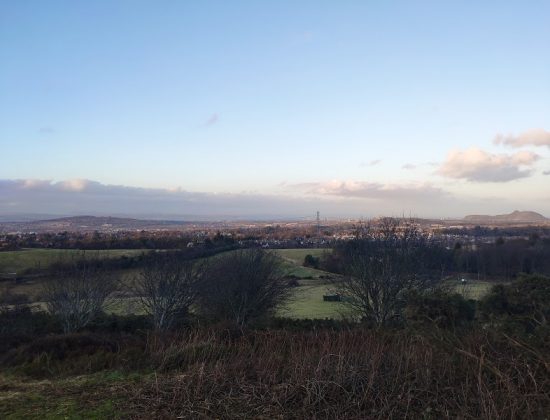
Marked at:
<point>311,261</point>
<point>384,263</point>
<point>243,286</point>
<point>167,288</point>
<point>524,304</point>
<point>444,310</point>
<point>76,295</point>
<point>21,324</point>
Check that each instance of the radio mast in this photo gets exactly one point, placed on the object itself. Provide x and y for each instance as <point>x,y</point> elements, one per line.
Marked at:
<point>318,224</point>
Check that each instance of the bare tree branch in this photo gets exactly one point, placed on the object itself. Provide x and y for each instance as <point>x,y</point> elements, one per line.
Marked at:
<point>384,262</point>
<point>244,285</point>
<point>167,288</point>
<point>78,293</point>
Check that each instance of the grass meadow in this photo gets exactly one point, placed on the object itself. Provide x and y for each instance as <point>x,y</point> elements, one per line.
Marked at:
<point>41,258</point>
<point>333,370</point>
<point>307,300</point>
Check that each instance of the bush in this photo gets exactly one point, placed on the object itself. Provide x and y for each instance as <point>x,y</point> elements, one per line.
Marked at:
<point>76,354</point>
<point>167,288</point>
<point>9,298</point>
<point>243,286</point>
<point>21,324</point>
<point>120,323</point>
<point>523,305</point>
<point>78,294</point>
<point>439,308</point>
<point>311,261</point>
<point>384,263</point>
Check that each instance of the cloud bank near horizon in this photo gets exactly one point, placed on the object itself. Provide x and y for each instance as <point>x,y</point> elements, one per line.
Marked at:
<point>81,196</point>
<point>333,199</point>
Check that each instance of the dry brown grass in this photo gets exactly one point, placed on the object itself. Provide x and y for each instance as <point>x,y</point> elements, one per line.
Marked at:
<point>353,373</point>
<point>349,374</point>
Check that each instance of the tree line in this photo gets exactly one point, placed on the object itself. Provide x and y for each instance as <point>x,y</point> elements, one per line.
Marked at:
<point>416,349</point>
<point>237,287</point>
<point>504,258</point>
<point>387,270</point>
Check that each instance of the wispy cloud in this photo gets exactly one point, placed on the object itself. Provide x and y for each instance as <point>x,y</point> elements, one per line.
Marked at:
<point>479,166</point>
<point>212,120</point>
<point>546,172</point>
<point>408,166</point>
<point>370,163</point>
<point>307,36</point>
<point>535,137</point>
<point>46,130</point>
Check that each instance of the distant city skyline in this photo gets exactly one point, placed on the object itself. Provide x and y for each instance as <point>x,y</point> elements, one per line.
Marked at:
<point>253,109</point>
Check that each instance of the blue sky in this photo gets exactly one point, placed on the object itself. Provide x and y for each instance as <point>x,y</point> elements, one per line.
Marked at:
<point>355,107</point>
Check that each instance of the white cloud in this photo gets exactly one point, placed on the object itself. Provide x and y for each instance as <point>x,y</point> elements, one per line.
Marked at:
<point>371,163</point>
<point>479,166</point>
<point>30,184</point>
<point>371,190</point>
<point>535,137</point>
<point>74,185</point>
<point>82,196</point>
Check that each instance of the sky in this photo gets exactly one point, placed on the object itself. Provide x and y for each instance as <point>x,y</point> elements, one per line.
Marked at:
<point>274,109</point>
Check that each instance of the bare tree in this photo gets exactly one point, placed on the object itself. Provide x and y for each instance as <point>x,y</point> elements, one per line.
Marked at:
<point>383,263</point>
<point>10,300</point>
<point>78,293</point>
<point>244,285</point>
<point>167,287</point>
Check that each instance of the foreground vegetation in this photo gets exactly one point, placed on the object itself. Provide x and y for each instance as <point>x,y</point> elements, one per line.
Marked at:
<point>28,260</point>
<point>221,337</point>
<point>116,369</point>
<point>449,358</point>
<point>307,302</point>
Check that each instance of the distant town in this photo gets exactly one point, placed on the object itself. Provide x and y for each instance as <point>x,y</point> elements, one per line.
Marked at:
<point>90,232</point>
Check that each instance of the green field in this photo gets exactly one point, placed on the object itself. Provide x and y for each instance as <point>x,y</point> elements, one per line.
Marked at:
<point>307,300</point>
<point>297,255</point>
<point>474,289</point>
<point>38,258</point>
<point>294,258</point>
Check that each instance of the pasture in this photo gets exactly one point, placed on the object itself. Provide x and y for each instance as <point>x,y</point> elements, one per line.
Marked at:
<point>474,289</point>
<point>41,258</point>
<point>307,300</point>
<point>297,256</point>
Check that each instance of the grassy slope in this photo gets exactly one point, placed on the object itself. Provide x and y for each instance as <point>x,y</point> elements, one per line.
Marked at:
<point>297,255</point>
<point>354,374</point>
<point>225,385</point>
<point>474,289</point>
<point>81,397</point>
<point>307,302</point>
<point>18,261</point>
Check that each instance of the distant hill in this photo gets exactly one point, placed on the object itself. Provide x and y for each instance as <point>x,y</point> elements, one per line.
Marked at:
<point>89,223</point>
<point>514,217</point>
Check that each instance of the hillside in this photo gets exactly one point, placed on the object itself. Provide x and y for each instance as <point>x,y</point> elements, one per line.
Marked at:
<point>514,217</point>
<point>89,223</point>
